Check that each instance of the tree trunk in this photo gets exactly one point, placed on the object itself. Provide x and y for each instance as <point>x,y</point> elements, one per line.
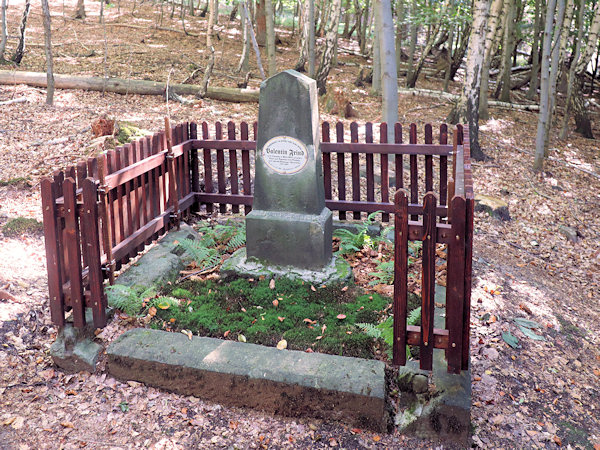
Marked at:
<point>413,44</point>
<point>211,23</point>
<point>571,76</point>
<point>535,53</point>
<point>48,48</point>
<point>233,12</point>
<point>20,50</point>
<point>459,54</point>
<point>261,23</point>
<point>399,32</point>
<point>490,47</point>
<point>79,10</point>
<point>254,43</point>
<point>467,108</point>
<point>303,44</point>
<point>312,71</point>
<point>508,45</point>
<point>3,32</point>
<point>123,86</point>
<point>327,55</point>
<point>377,62</point>
<point>272,63</point>
<point>245,57</point>
<point>544,114</point>
<point>554,70</point>
<point>389,77</point>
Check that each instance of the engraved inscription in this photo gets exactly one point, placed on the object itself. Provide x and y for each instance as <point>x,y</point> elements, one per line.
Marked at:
<point>285,155</point>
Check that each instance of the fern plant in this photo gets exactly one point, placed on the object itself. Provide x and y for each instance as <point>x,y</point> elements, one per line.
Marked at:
<point>352,242</point>
<point>384,274</point>
<point>385,329</point>
<point>230,236</point>
<point>129,299</point>
<point>205,257</point>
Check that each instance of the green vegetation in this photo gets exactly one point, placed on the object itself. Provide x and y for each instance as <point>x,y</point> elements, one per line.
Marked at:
<point>128,132</point>
<point>385,329</point>
<point>306,317</point>
<point>16,181</point>
<point>352,242</point>
<point>20,226</point>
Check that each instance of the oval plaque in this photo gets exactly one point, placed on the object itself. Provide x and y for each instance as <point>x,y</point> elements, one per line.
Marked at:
<point>285,154</point>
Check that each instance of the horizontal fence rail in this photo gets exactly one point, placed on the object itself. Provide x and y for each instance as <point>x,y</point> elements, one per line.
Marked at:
<point>102,212</point>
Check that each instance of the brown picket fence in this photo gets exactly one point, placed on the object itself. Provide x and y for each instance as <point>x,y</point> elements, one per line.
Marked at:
<point>101,213</point>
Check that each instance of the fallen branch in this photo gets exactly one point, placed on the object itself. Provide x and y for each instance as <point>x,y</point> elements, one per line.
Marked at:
<point>123,86</point>
<point>13,101</point>
<point>454,97</point>
<point>60,140</point>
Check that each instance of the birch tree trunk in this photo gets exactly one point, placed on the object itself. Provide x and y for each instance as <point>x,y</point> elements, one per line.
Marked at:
<point>327,55</point>
<point>244,59</point>
<point>535,53</point>
<point>303,44</point>
<point>48,48</point>
<point>554,69</point>
<point>211,23</point>
<point>20,50</point>
<point>491,41</point>
<point>3,33</point>
<point>467,108</point>
<point>261,23</point>
<point>272,63</point>
<point>377,61</point>
<point>508,45</point>
<point>580,112</point>
<point>544,114</point>
<point>389,77</point>
<point>571,76</point>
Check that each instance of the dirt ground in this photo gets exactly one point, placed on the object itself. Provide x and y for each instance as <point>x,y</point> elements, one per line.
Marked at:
<point>544,393</point>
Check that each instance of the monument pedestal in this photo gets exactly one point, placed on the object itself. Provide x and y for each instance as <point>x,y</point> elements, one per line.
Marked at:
<point>290,239</point>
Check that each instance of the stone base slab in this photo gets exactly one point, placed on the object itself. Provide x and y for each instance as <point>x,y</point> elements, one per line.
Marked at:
<point>338,271</point>
<point>282,382</point>
<point>290,239</point>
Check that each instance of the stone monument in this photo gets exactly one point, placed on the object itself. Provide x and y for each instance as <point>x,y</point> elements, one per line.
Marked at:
<point>289,230</point>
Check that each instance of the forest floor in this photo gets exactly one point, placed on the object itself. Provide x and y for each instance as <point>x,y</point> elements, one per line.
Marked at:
<point>541,394</point>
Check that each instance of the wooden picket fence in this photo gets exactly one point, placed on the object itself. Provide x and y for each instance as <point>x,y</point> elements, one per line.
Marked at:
<point>101,213</point>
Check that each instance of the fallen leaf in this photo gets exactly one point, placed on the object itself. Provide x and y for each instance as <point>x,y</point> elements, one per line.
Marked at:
<point>226,333</point>
<point>597,372</point>
<point>323,328</point>
<point>67,425</point>
<point>9,421</point>
<point>376,438</point>
<point>152,311</point>
<point>243,309</point>
<point>272,283</point>
<point>308,350</point>
<point>47,374</point>
<point>275,303</point>
<point>341,316</point>
<point>241,338</point>
<point>188,333</point>
<point>312,288</point>
<point>510,339</point>
<point>557,440</point>
<point>282,344</point>
<point>319,338</point>
<point>344,289</point>
<point>309,321</point>
<point>281,319</point>
<point>356,430</point>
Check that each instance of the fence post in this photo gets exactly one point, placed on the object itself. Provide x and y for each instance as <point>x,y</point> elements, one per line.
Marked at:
<point>194,163</point>
<point>53,256</point>
<point>106,225</point>
<point>428,280</point>
<point>74,251</point>
<point>455,285</point>
<point>400,276</point>
<point>172,173</point>
<point>89,218</point>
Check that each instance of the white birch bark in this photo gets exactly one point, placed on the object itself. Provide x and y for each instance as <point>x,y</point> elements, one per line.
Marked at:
<point>467,108</point>
<point>3,33</point>
<point>490,46</point>
<point>389,78</point>
<point>327,55</point>
<point>48,48</point>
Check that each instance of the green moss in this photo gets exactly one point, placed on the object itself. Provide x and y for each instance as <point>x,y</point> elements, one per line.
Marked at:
<point>19,226</point>
<point>129,132</point>
<point>306,318</point>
